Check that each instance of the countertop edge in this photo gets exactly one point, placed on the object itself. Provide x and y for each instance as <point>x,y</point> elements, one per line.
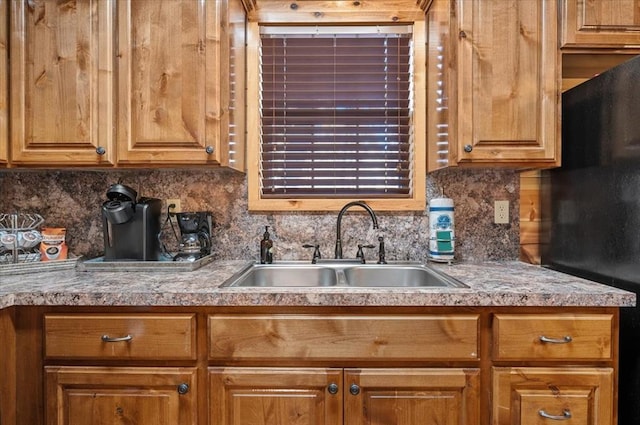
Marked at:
<point>491,284</point>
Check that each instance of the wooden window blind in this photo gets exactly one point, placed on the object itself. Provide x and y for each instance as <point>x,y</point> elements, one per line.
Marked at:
<point>336,112</point>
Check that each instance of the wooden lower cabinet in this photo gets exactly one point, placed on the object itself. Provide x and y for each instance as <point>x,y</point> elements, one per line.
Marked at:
<point>443,396</point>
<point>329,396</point>
<point>279,396</point>
<point>534,396</point>
<point>120,395</point>
<point>322,366</point>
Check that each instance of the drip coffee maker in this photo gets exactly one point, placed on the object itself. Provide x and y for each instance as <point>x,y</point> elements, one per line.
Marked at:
<point>195,235</point>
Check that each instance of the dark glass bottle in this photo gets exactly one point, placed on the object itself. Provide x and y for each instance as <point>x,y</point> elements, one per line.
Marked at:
<point>266,247</point>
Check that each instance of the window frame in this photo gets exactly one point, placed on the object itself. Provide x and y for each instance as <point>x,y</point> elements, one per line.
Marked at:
<point>417,199</point>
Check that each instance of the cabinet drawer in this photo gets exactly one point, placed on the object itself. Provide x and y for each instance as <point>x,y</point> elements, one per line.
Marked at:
<point>343,338</point>
<point>553,337</point>
<point>131,336</point>
<point>558,395</point>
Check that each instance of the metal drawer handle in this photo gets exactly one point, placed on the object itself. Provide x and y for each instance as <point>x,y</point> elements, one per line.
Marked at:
<point>566,414</point>
<point>107,338</point>
<point>564,340</point>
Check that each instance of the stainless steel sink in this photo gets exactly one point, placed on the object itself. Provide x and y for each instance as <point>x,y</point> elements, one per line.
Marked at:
<point>260,275</point>
<point>375,275</point>
<point>341,274</point>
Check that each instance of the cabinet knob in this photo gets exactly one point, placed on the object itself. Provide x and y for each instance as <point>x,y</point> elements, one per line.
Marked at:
<point>462,34</point>
<point>183,388</point>
<point>101,150</point>
<point>333,388</point>
<point>354,389</point>
<point>468,148</point>
<point>566,414</point>
<point>209,150</point>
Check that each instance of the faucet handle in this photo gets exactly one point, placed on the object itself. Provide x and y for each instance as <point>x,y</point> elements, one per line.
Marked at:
<point>316,252</point>
<point>360,254</point>
<point>381,253</point>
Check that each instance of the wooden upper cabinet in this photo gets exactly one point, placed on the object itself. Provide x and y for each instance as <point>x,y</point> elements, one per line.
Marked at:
<point>168,107</point>
<point>61,109</point>
<point>4,87</point>
<point>613,24</point>
<point>126,83</point>
<point>173,82</point>
<point>493,83</point>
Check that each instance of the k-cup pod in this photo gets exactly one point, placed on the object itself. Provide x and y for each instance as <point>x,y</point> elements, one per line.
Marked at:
<point>29,239</point>
<point>9,241</point>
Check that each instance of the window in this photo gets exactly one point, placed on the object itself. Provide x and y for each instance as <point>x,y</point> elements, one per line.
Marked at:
<point>337,117</point>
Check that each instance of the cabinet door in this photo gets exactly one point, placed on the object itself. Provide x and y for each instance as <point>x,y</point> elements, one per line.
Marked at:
<point>4,87</point>
<point>533,396</point>
<point>412,396</point>
<point>115,396</point>
<point>614,24</point>
<point>61,82</point>
<point>170,74</point>
<point>508,79</point>
<point>441,71</point>
<point>269,396</point>
<point>493,79</point>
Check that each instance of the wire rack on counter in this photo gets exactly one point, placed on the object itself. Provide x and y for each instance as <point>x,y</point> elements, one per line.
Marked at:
<point>19,237</point>
<point>20,246</point>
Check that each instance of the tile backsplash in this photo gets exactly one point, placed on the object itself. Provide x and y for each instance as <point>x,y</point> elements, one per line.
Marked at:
<point>72,199</point>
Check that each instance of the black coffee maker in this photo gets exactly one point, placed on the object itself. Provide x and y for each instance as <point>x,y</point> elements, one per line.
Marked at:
<point>195,235</point>
<point>131,226</point>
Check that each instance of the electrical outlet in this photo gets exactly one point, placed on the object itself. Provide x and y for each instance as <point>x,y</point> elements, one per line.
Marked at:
<point>501,212</point>
<point>176,202</point>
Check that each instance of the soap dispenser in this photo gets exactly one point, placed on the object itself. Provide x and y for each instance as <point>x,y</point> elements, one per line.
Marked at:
<point>266,247</point>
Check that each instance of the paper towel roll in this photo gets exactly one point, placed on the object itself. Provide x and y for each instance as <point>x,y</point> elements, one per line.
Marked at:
<point>441,229</point>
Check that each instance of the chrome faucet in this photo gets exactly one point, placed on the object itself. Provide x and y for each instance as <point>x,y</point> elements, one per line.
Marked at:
<point>339,224</point>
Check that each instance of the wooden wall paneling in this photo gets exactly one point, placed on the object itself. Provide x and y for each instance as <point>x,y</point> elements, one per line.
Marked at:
<point>29,366</point>
<point>530,217</point>
<point>4,83</point>
<point>7,367</point>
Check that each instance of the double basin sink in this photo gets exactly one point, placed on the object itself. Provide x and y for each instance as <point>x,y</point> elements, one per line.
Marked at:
<point>341,274</point>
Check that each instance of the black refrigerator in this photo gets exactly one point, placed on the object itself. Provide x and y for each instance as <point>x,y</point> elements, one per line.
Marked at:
<point>591,204</point>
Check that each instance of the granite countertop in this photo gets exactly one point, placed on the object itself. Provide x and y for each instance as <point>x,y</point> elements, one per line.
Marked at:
<point>490,284</point>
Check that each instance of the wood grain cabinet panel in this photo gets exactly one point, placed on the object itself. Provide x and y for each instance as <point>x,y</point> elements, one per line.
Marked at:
<point>273,396</point>
<point>533,396</point>
<point>331,396</point>
<point>343,338</point>
<point>110,396</point>
<point>173,72</point>
<point>493,83</point>
<point>610,24</point>
<point>62,62</point>
<point>4,85</point>
<point>126,83</point>
<point>112,336</point>
<point>412,396</point>
<point>553,337</point>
